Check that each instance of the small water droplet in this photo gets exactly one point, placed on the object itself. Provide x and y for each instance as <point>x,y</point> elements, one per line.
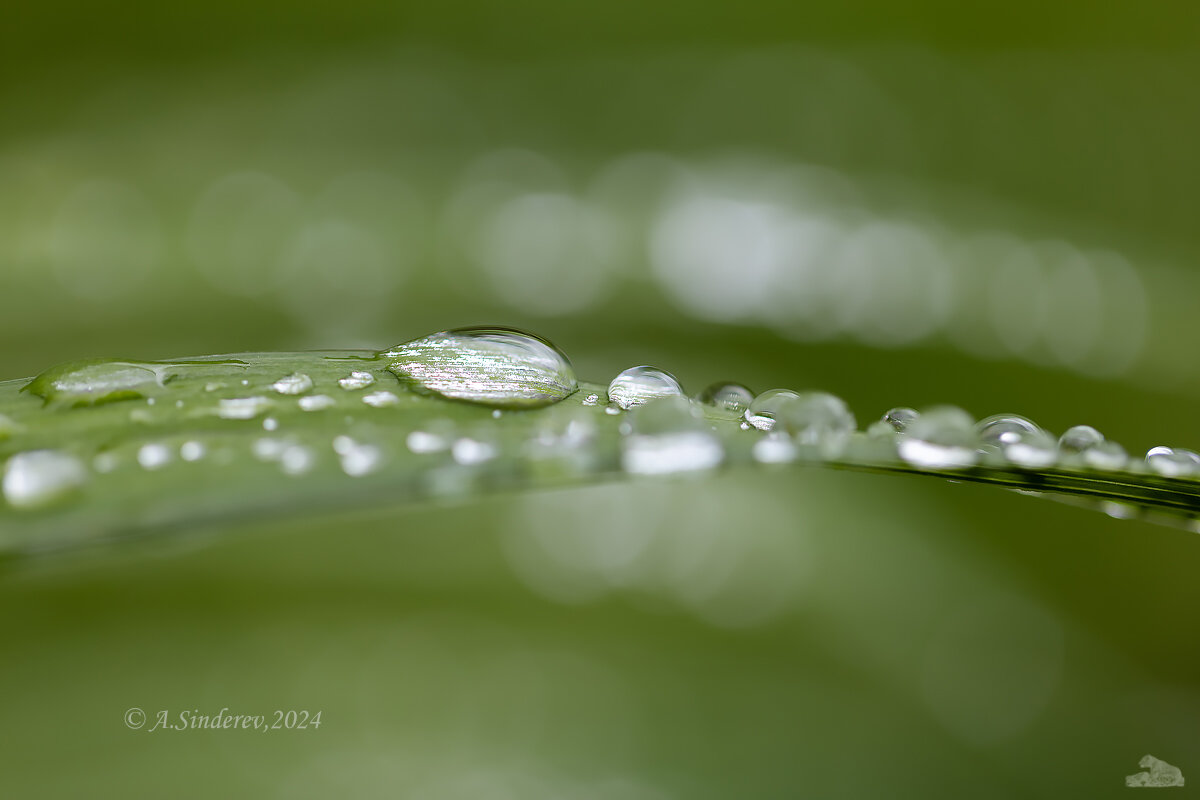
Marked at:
<point>1079,438</point>
<point>380,399</point>
<point>39,477</point>
<point>774,448</point>
<point>425,442</point>
<point>899,418</point>
<point>492,366</point>
<point>591,400</point>
<point>296,383</point>
<point>761,413</point>
<point>213,386</point>
<point>357,458</point>
<point>612,410</point>
<point>1034,450</point>
<point>1018,439</point>
<point>1173,462</point>
<point>468,451</point>
<point>1106,455</point>
<point>733,398</point>
<point>270,424</point>
<point>1002,429</point>
<point>1083,442</point>
<point>242,407</point>
<point>669,435</point>
<point>941,438</point>
<point>639,385</point>
<point>496,414</point>
<point>315,402</point>
<point>153,455</point>
<point>296,459</point>
<point>192,450</point>
<point>268,449</point>
<point>356,380</point>
<point>814,417</point>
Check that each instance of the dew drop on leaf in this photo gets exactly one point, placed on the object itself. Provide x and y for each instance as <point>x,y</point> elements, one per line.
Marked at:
<point>639,385</point>
<point>493,366</point>
<point>39,477</point>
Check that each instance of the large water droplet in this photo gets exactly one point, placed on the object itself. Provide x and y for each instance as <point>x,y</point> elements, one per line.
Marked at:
<point>669,435</point>
<point>1173,462</point>
<point>82,383</point>
<point>762,412</point>
<point>97,381</point>
<point>813,417</point>
<point>941,438</point>
<point>39,477</point>
<point>493,366</point>
<point>733,398</point>
<point>639,385</point>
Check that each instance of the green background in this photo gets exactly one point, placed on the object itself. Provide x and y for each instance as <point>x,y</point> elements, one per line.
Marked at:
<point>242,177</point>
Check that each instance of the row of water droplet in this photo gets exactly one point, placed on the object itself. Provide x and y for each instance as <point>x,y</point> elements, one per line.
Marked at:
<point>661,430</point>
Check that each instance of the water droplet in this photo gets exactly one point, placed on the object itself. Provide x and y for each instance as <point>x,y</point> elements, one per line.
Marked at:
<point>467,451</point>
<point>270,424</point>
<point>814,417</point>
<point>761,413</point>
<point>493,366</point>
<point>1034,450</point>
<point>154,455</point>
<point>357,458</point>
<point>425,442</point>
<point>1018,439</point>
<point>268,449</point>
<point>1001,429</point>
<point>774,448</point>
<point>1173,462</point>
<point>315,402</point>
<point>380,399</point>
<point>900,418</point>
<point>213,386</point>
<point>639,385</point>
<point>591,400</point>
<point>296,459</point>
<point>669,435</point>
<point>725,396</point>
<point>496,414</point>
<point>296,383</point>
<point>97,381</point>
<point>192,451</point>
<point>1083,442</point>
<point>612,410</point>
<point>242,407</point>
<point>39,477</point>
<point>1079,438</point>
<point>356,380</point>
<point>1106,455</point>
<point>941,438</point>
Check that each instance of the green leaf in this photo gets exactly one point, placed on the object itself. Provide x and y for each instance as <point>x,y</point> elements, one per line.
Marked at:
<point>103,449</point>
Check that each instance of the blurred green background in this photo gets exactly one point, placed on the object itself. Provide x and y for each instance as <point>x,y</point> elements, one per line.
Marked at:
<point>991,206</point>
